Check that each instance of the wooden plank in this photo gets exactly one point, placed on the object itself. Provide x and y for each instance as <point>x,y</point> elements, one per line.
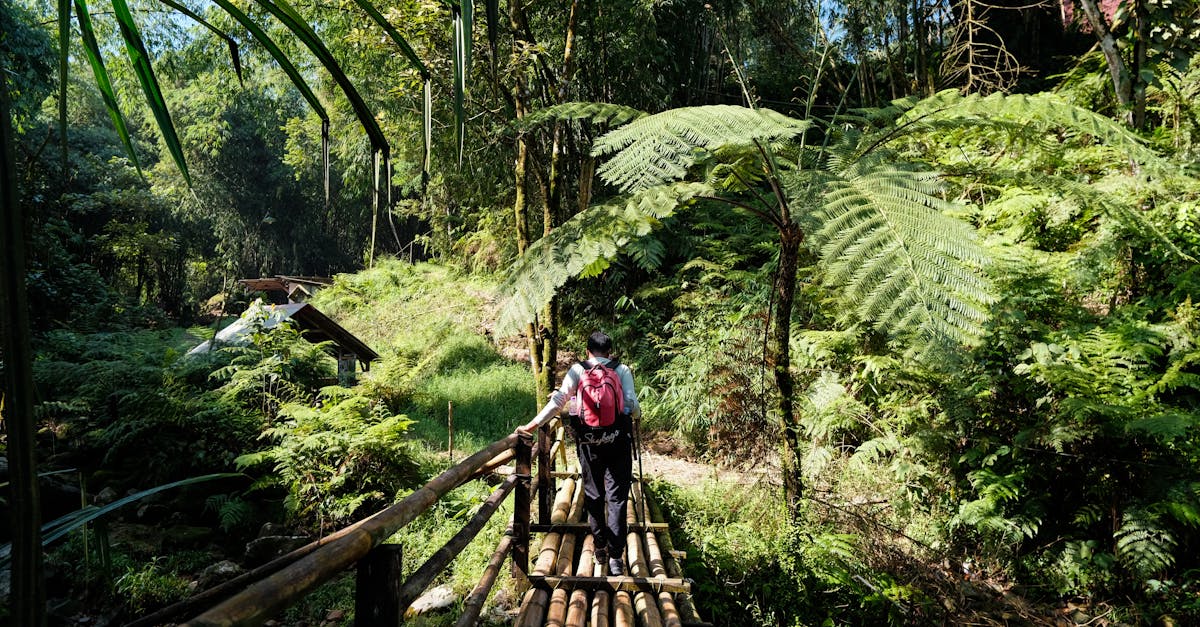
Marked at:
<point>546,491</point>
<point>520,522</point>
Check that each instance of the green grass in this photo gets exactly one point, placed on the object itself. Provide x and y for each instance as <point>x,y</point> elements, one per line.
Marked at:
<point>427,323</point>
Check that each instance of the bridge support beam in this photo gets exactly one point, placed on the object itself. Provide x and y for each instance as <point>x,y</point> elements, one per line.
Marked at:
<point>378,581</point>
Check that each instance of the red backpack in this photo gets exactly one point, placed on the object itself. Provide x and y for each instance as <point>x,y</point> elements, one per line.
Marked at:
<point>600,397</point>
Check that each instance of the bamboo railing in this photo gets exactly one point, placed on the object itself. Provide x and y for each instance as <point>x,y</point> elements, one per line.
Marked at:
<point>564,588</point>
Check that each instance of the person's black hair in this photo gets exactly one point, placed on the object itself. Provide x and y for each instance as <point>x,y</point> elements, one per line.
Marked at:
<point>599,344</point>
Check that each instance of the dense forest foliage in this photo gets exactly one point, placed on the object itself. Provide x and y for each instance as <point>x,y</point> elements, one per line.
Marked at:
<point>930,264</point>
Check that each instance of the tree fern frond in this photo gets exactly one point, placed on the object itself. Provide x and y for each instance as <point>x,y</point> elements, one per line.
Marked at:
<point>660,148</point>
<point>583,246</point>
<point>896,261</point>
<point>1168,425</point>
<point>595,112</point>
<point>1038,112</point>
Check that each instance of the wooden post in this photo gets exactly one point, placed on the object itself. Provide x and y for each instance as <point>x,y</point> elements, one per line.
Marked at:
<point>545,478</point>
<point>450,426</point>
<point>520,549</point>
<point>379,577</point>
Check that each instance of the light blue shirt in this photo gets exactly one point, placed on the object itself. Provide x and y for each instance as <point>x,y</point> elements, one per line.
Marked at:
<point>570,385</point>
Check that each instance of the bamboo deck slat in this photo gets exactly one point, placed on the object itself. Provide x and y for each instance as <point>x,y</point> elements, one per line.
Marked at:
<point>570,590</point>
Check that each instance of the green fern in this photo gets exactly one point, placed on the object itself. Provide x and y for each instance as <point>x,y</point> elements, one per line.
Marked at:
<point>584,246</point>
<point>595,112</point>
<point>659,149</point>
<point>1143,545</point>
<point>896,259</point>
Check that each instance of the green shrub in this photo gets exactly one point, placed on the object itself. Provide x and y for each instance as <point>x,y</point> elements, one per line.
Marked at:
<point>336,456</point>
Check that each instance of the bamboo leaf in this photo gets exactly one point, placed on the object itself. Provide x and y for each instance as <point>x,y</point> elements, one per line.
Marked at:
<point>293,74</point>
<point>233,47</point>
<point>468,12</point>
<point>92,50</point>
<point>412,57</point>
<point>294,23</point>
<point>140,59</point>
<point>399,40</point>
<point>65,524</point>
<point>460,83</point>
<point>493,22</point>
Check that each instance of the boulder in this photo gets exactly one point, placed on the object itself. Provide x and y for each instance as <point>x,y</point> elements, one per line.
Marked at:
<point>217,574</point>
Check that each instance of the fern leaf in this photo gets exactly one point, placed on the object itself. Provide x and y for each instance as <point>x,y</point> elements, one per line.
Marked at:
<point>660,148</point>
<point>1168,425</point>
<point>595,112</point>
<point>895,260</point>
<point>1143,545</point>
<point>1036,112</point>
<point>582,244</point>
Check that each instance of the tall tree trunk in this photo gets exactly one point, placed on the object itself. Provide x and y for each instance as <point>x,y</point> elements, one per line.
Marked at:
<point>552,214</point>
<point>520,95</point>
<point>1141,17</point>
<point>1108,45</point>
<point>27,603</point>
<point>790,238</point>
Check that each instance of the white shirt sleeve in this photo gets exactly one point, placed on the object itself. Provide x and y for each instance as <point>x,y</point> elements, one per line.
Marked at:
<point>631,400</point>
<point>567,390</point>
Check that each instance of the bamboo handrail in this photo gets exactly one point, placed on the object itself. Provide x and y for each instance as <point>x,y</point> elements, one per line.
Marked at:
<point>416,583</point>
<point>473,606</point>
<point>269,596</point>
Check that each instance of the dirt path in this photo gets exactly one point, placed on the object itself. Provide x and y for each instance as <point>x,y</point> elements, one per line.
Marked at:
<point>688,473</point>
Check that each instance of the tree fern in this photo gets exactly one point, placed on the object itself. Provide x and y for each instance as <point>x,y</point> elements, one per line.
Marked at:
<point>895,259</point>
<point>660,148</point>
<point>1036,113</point>
<point>584,246</point>
<point>595,112</point>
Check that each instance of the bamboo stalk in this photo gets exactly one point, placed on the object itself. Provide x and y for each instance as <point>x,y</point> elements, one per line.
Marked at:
<point>578,607</point>
<point>666,601</point>
<point>417,583</point>
<point>533,606</point>
<point>683,600</point>
<point>562,502</point>
<point>474,602</point>
<point>269,596</point>
<point>556,612</point>
<point>623,615</point>
<point>601,605</point>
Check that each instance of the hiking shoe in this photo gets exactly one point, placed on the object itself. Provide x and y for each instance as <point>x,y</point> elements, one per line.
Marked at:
<point>615,567</point>
<point>600,557</point>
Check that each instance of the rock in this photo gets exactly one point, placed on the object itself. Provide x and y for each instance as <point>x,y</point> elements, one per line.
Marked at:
<point>439,598</point>
<point>272,529</point>
<point>151,513</point>
<point>264,549</point>
<point>106,496</point>
<point>217,574</point>
<point>335,616</point>
<point>185,537</point>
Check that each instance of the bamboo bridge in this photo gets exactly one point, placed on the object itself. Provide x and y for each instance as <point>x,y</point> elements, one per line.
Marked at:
<point>563,588</point>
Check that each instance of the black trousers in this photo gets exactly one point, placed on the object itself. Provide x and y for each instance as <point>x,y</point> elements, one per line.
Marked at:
<point>607,471</point>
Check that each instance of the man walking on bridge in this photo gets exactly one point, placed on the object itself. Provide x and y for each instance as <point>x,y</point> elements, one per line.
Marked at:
<point>605,406</point>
